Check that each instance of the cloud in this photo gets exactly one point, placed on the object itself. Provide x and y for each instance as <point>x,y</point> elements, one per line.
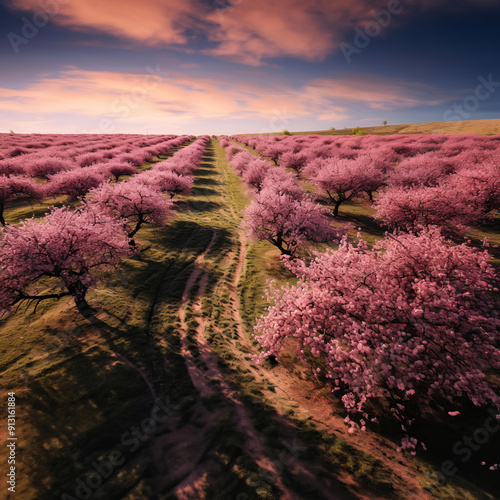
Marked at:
<point>374,92</point>
<point>152,22</point>
<point>126,100</point>
<point>258,29</point>
<point>152,94</point>
<point>247,31</point>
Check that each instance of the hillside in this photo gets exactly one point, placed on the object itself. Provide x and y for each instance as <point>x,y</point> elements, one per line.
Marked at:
<point>483,127</point>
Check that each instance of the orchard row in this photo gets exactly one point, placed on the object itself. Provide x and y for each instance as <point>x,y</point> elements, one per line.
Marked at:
<point>449,181</point>
<point>70,248</point>
<point>411,322</point>
<point>61,165</point>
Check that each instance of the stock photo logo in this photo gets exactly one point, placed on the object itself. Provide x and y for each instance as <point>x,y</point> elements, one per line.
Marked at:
<point>466,109</point>
<point>32,25</point>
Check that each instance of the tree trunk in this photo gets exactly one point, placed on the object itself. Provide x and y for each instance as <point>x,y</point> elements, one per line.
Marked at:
<point>78,291</point>
<point>84,309</point>
<point>336,209</point>
<point>283,250</point>
<point>2,220</point>
<point>137,227</point>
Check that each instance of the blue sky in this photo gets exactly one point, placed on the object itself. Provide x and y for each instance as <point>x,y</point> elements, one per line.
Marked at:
<point>197,66</point>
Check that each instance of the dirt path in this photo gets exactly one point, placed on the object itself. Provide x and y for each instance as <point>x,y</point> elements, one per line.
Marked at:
<point>187,455</point>
<point>202,376</point>
<point>233,288</point>
<point>216,438</point>
<point>301,467</point>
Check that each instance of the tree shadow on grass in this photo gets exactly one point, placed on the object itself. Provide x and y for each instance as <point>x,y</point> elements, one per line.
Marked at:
<point>358,220</point>
<point>202,191</point>
<point>77,411</point>
<point>207,182</point>
<point>365,222</point>
<point>94,392</point>
<point>205,170</point>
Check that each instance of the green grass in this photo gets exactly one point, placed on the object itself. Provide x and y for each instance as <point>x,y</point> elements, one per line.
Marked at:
<point>81,398</point>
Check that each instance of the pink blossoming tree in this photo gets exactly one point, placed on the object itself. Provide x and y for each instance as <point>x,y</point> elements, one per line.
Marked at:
<point>410,320</point>
<point>287,221</point>
<point>66,251</point>
<point>15,187</point>
<point>73,183</point>
<point>134,202</point>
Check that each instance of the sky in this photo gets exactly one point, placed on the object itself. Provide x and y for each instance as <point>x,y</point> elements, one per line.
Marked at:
<point>244,66</point>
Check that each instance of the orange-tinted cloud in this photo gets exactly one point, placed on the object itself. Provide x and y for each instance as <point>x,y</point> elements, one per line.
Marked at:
<point>375,92</point>
<point>132,95</point>
<point>247,31</point>
<point>165,99</point>
<point>152,22</point>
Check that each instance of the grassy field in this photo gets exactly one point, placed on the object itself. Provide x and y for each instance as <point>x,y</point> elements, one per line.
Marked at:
<point>159,396</point>
<point>482,127</point>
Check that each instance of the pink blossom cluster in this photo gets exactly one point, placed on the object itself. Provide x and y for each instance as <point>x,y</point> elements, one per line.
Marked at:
<point>456,200</point>
<point>281,211</point>
<point>140,200</point>
<point>451,181</point>
<point>410,320</point>
<point>73,165</point>
<point>70,248</point>
<point>67,249</point>
<point>174,175</point>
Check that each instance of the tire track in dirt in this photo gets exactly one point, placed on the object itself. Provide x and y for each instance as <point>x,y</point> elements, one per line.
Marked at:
<point>194,372</point>
<point>301,467</point>
<point>201,380</point>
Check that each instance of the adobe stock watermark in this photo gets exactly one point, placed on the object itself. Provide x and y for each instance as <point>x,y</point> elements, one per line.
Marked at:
<point>363,36</point>
<point>31,26</point>
<point>464,449</point>
<point>122,106</point>
<point>131,440</point>
<point>280,120</point>
<point>464,110</point>
<point>289,454</point>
